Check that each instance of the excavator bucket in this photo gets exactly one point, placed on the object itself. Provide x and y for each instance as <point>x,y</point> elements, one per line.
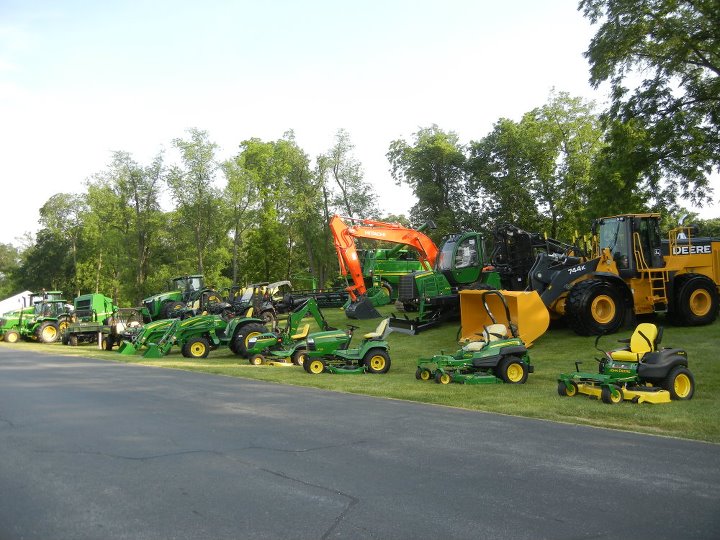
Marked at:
<point>526,310</point>
<point>362,308</point>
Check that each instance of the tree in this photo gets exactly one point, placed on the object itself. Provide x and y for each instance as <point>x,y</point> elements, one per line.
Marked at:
<point>672,48</point>
<point>9,262</point>
<point>434,168</point>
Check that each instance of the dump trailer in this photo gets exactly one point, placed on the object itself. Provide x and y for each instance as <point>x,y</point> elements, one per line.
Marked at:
<point>90,320</point>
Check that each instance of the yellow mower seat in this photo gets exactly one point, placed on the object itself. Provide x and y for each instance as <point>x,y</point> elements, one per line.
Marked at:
<point>639,345</point>
<point>302,334</point>
<point>379,332</point>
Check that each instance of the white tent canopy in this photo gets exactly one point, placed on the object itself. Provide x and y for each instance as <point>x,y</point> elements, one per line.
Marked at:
<point>14,302</point>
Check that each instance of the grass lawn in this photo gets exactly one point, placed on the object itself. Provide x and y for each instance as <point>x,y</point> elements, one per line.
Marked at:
<point>554,353</point>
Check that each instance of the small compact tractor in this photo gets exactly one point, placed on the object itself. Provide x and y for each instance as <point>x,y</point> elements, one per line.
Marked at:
<point>639,372</point>
<point>278,345</point>
<point>329,351</point>
<point>496,355</point>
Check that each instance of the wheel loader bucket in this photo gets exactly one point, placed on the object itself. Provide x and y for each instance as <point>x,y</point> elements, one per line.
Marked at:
<point>527,312</point>
<point>126,347</point>
<point>362,308</point>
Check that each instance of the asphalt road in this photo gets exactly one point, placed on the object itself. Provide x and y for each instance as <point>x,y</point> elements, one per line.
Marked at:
<point>99,450</point>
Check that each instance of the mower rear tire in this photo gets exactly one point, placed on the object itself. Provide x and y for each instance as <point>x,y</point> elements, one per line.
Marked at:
<point>243,335</point>
<point>564,391</point>
<point>256,359</point>
<point>442,378</point>
<point>611,395</point>
<point>376,361</point>
<point>48,332</point>
<point>680,383</point>
<point>314,366</point>
<point>512,370</point>
<point>593,307</point>
<point>298,357</point>
<point>11,336</point>
<point>197,347</point>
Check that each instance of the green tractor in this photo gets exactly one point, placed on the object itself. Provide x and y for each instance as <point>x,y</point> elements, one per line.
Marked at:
<point>496,355</point>
<point>329,351</point>
<point>186,295</point>
<point>90,319</point>
<point>278,345</point>
<point>10,322</point>
<point>45,323</point>
<point>640,372</point>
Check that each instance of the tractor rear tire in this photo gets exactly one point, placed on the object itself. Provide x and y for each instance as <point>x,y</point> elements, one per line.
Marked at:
<point>197,347</point>
<point>298,357</point>
<point>11,336</point>
<point>593,307</point>
<point>512,370</point>
<point>696,302</point>
<point>243,335</point>
<point>169,309</point>
<point>680,383</point>
<point>376,361</point>
<point>48,332</point>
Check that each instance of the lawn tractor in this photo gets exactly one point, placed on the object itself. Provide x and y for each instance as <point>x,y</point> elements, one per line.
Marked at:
<point>495,355</point>
<point>640,372</point>
<point>329,351</point>
<point>278,345</point>
<point>45,322</point>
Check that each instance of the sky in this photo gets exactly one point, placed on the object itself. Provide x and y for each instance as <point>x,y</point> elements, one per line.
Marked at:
<point>82,79</point>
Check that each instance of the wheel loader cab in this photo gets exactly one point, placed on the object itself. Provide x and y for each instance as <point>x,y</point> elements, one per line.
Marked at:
<point>633,241</point>
<point>645,339</point>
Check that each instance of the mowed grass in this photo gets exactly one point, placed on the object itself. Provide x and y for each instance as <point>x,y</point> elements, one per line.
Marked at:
<point>554,353</point>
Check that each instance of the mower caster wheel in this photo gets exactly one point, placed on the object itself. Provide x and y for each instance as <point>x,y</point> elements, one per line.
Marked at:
<point>256,360</point>
<point>564,391</point>
<point>423,374</point>
<point>442,378</point>
<point>611,395</point>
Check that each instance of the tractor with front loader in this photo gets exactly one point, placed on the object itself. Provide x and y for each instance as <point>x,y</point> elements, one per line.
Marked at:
<point>632,271</point>
<point>47,320</point>
<point>640,372</point>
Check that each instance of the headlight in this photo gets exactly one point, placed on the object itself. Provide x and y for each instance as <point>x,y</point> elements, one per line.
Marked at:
<point>311,344</point>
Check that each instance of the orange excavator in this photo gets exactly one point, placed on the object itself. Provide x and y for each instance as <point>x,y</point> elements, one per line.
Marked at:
<point>344,236</point>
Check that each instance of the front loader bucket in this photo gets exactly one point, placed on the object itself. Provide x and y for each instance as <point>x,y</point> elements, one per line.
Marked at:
<point>527,313</point>
<point>126,347</point>
<point>362,308</point>
<point>153,351</point>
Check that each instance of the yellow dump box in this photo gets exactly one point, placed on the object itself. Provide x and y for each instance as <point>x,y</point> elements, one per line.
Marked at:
<point>526,310</point>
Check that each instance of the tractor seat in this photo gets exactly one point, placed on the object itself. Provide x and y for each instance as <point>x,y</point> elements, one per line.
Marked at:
<point>644,340</point>
<point>380,332</point>
<point>302,334</point>
<point>494,332</point>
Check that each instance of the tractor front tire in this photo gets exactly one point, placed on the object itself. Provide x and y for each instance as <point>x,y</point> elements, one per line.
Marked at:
<point>377,361</point>
<point>11,336</point>
<point>314,366</point>
<point>512,370</point>
<point>696,302</point>
<point>243,335</point>
<point>593,307</point>
<point>197,347</point>
<point>48,332</point>
<point>680,383</point>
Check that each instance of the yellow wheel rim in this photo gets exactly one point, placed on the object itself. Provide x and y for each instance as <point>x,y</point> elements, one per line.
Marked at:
<point>11,337</point>
<point>49,333</point>
<point>249,336</point>
<point>616,395</point>
<point>424,374</point>
<point>377,362</point>
<point>514,372</point>
<point>444,378</point>
<point>603,309</point>
<point>63,326</point>
<point>316,366</point>
<point>197,349</point>
<point>682,385</point>
<point>700,302</point>
<point>571,391</point>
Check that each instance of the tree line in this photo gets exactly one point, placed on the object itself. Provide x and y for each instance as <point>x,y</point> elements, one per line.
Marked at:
<point>262,214</point>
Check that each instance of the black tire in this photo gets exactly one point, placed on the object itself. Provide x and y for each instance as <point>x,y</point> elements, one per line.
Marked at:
<point>11,336</point>
<point>611,395</point>
<point>595,306</point>
<point>564,391</point>
<point>197,347</point>
<point>442,378</point>
<point>243,334</point>
<point>108,343</point>
<point>65,339</point>
<point>169,309</point>
<point>314,366</point>
<point>512,370</point>
<point>73,340</point>
<point>298,357</point>
<point>680,383</point>
<point>376,361</point>
<point>695,302</point>
<point>48,332</point>
<point>256,360</point>
<point>63,324</point>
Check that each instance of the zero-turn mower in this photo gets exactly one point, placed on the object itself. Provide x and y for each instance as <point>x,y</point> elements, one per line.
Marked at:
<point>639,372</point>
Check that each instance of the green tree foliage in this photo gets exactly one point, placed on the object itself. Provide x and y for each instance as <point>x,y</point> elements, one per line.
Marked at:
<point>433,166</point>
<point>9,264</point>
<point>662,61</point>
<point>536,173</point>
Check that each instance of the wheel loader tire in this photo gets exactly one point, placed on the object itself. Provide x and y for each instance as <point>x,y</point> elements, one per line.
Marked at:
<point>243,335</point>
<point>696,302</point>
<point>680,383</point>
<point>298,357</point>
<point>512,370</point>
<point>48,332</point>
<point>594,307</point>
<point>612,395</point>
<point>197,347</point>
<point>11,336</point>
<point>376,361</point>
